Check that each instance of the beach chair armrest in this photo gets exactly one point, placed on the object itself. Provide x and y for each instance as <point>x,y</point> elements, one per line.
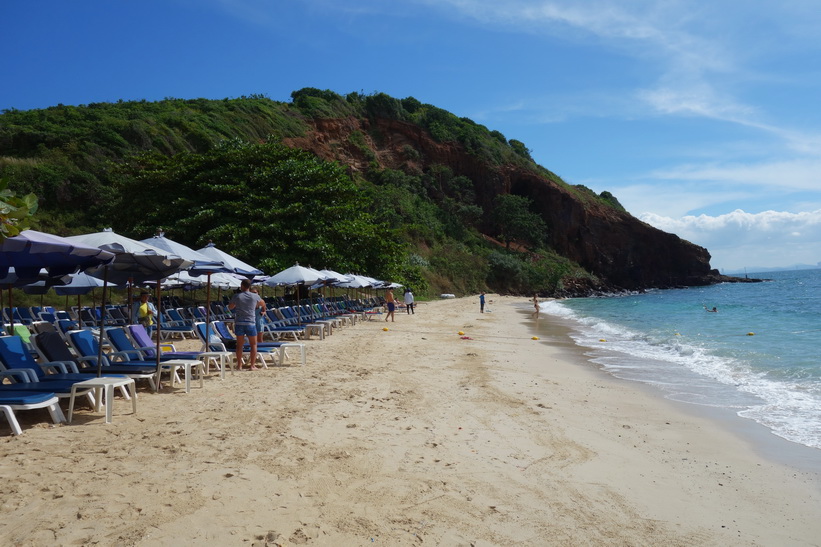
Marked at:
<point>70,366</point>
<point>58,367</point>
<point>126,355</point>
<point>24,374</point>
<point>90,359</point>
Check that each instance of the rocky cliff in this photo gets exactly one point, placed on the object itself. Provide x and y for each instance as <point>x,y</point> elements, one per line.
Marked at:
<point>622,251</point>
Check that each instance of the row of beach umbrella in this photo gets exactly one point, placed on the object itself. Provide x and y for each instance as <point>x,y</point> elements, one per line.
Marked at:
<point>38,261</point>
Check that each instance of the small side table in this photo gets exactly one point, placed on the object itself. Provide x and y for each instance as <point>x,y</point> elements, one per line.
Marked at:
<point>219,358</point>
<point>98,384</point>
<point>283,354</point>
<point>189,366</point>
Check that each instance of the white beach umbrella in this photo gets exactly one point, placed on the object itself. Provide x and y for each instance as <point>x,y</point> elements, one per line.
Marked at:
<point>355,282</point>
<point>233,263</point>
<point>295,275</point>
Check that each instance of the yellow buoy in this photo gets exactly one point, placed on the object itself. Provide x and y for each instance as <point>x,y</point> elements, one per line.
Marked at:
<point>535,338</point>
<point>602,340</point>
<point>386,329</point>
<point>750,334</point>
<point>460,333</point>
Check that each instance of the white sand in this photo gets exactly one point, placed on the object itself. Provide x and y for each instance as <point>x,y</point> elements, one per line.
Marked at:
<point>406,437</point>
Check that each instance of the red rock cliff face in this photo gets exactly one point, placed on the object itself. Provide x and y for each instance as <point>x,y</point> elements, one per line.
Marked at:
<point>620,249</point>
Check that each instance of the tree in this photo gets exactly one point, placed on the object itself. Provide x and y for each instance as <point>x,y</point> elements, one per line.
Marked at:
<point>516,222</point>
<point>269,204</point>
<point>15,212</point>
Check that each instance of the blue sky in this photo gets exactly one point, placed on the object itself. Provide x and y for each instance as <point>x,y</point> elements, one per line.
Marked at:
<point>702,118</point>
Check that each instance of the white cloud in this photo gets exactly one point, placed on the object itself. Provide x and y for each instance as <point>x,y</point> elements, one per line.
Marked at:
<point>739,239</point>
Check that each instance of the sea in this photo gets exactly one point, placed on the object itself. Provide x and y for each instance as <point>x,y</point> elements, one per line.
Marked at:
<point>757,355</point>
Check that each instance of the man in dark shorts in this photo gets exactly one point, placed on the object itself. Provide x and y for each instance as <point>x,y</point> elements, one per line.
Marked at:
<point>390,300</point>
<point>245,304</point>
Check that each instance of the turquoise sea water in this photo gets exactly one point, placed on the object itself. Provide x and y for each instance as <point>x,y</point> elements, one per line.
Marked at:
<point>758,355</point>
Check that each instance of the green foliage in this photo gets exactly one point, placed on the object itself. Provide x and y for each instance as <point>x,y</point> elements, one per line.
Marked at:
<point>520,149</point>
<point>587,195</point>
<point>64,154</point>
<point>15,212</point>
<point>458,268</point>
<point>611,199</point>
<point>516,222</point>
<point>316,103</point>
<point>269,204</point>
<point>211,170</point>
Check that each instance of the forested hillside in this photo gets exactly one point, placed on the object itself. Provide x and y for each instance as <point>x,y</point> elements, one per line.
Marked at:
<point>365,183</point>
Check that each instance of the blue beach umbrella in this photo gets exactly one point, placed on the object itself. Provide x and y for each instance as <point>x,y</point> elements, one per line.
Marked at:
<point>134,262</point>
<point>30,252</point>
<point>36,256</point>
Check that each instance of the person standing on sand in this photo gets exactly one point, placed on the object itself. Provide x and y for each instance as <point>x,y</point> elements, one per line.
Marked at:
<point>482,303</point>
<point>536,305</point>
<point>409,301</point>
<point>390,299</point>
<point>246,303</point>
<point>143,312</point>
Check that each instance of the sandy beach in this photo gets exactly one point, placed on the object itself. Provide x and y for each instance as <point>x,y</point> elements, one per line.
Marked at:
<point>409,436</point>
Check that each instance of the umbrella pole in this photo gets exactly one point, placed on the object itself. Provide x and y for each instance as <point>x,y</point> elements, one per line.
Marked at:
<point>130,292</point>
<point>11,313</point>
<point>102,315</point>
<point>157,321</point>
<point>208,312</point>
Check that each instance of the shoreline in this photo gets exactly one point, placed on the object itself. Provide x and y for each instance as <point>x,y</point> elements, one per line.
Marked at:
<point>762,440</point>
<point>399,437</point>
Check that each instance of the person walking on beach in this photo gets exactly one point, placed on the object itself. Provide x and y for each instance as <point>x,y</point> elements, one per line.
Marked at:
<point>390,300</point>
<point>246,303</point>
<point>536,305</point>
<point>259,314</point>
<point>482,303</point>
<point>409,301</point>
<point>144,312</point>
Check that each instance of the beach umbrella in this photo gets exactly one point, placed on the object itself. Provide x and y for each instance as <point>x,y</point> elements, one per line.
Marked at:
<point>354,281</point>
<point>294,276</point>
<point>226,281</point>
<point>134,262</point>
<point>233,263</point>
<point>331,279</point>
<point>32,256</point>
<point>30,251</point>
<point>201,264</point>
<point>76,285</point>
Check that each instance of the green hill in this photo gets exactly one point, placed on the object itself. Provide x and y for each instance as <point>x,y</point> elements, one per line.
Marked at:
<point>367,183</point>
